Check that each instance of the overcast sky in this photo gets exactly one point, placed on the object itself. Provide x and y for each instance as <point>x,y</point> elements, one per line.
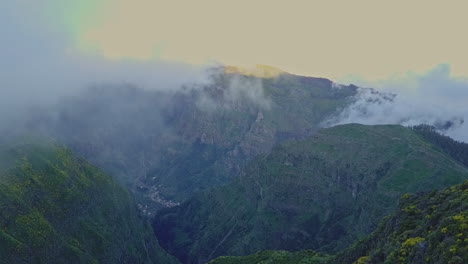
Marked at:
<point>414,48</point>
<point>327,38</point>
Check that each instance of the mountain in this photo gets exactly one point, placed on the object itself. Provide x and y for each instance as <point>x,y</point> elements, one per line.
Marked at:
<point>57,208</point>
<point>455,149</point>
<point>321,193</point>
<point>425,228</point>
<point>166,144</point>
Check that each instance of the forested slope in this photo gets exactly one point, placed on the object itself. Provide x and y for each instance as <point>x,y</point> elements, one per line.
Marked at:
<point>56,208</point>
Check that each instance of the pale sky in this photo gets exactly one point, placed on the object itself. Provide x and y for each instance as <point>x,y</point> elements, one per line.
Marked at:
<point>370,38</point>
<point>413,48</point>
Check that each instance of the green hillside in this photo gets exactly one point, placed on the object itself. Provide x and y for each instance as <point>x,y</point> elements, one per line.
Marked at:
<point>56,208</point>
<point>276,256</point>
<point>323,193</point>
<point>426,228</point>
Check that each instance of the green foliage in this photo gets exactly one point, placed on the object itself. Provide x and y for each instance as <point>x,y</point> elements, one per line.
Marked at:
<point>272,257</point>
<point>457,150</point>
<point>363,260</point>
<point>401,238</point>
<point>56,208</point>
<point>323,193</point>
<point>433,231</point>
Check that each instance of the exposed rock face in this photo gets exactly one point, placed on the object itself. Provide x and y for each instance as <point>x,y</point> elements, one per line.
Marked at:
<point>167,145</point>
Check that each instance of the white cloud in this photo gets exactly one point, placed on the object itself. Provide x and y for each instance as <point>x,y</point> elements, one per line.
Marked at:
<point>39,65</point>
<point>432,98</point>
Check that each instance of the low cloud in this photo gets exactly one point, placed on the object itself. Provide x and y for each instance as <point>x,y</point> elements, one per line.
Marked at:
<point>40,65</point>
<point>434,98</point>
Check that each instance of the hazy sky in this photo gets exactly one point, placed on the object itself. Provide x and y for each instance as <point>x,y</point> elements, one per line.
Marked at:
<point>370,38</point>
<point>41,60</point>
<point>415,48</point>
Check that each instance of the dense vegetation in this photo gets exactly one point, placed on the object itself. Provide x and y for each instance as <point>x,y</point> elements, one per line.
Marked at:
<point>276,256</point>
<point>323,193</point>
<point>319,189</point>
<point>167,145</point>
<point>56,208</point>
<point>455,149</point>
<point>427,228</point>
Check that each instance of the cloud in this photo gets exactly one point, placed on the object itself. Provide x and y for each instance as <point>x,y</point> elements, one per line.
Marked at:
<point>39,64</point>
<point>227,89</point>
<point>434,98</point>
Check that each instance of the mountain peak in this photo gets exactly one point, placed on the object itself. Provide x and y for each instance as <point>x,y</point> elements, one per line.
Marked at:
<point>259,70</point>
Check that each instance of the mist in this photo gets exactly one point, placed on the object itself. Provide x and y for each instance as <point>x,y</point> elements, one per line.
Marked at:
<point>40,65</point>
<point>434,98</point>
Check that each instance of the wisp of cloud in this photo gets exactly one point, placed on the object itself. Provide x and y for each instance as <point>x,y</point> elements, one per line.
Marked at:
<point>435,98</point>
<point>39,64</point>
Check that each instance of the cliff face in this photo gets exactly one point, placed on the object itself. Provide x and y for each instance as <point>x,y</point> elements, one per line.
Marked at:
<point>167,145</point>
<point>322,193</point>
<point>56,208</point>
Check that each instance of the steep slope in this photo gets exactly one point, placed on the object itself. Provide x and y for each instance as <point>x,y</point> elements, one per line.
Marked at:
<point>322,193</point>
<point>166,145</point>
<point>427,228</point>
<point>278,256</point>
<point>56,208</point>
<point>455,149</point>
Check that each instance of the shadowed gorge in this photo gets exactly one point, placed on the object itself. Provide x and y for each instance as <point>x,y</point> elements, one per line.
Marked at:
<point>236,166</point>
<point>233,132</point>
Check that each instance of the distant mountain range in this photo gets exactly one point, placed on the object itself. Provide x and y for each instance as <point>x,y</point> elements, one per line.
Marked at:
<point>247,167</point>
